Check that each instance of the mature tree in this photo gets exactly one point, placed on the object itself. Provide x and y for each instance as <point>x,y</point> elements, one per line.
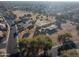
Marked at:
<point>63,37</point>
<point>44,43</point>
<point>34,46</point>
<point>67,43</point>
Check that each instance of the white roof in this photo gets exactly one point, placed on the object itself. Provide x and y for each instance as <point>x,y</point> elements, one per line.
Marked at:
<point>51,27</point>
<point>1,18</point>
<point>2,25</point>
<point>41,23</point>
<point>1,33</point>
<point>54,26</point>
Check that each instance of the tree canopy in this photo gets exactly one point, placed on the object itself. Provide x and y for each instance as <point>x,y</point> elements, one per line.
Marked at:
<point>64,36</point>
<point>33,46</point>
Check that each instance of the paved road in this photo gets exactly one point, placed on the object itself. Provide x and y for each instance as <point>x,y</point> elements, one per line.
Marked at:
<point>11,47</point>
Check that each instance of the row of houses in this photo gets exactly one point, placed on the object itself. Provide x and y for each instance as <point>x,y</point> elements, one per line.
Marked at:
<point>2,26</point>
<point>40,25</point>
<point>44,25</point>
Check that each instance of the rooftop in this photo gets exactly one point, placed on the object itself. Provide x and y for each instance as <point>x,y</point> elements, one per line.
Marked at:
<point>52,27</point>
<point>3,25</point>
<point>1,33</point>
<point>1,19</point>
<point>41,23</point>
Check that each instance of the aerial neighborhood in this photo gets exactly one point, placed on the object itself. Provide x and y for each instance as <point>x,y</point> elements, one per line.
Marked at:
<point>39,29</point>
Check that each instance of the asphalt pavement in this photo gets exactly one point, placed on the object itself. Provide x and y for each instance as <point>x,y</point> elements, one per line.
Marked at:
<point>11,47</point>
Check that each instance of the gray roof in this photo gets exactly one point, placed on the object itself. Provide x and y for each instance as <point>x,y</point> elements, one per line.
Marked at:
<point>1,19</point>
<point>1,34</point>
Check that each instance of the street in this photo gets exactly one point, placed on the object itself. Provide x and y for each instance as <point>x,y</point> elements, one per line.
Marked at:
<point>11,47</point>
